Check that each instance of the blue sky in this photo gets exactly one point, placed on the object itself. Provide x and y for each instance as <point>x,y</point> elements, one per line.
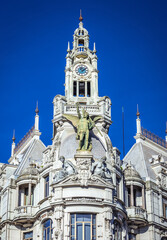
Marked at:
<point>131,41</point>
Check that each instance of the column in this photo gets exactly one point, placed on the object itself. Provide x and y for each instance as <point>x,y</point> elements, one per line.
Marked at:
<point>17,197</point>
<point>132,195</point>
<point>29,194</point>
<point>143,198</point>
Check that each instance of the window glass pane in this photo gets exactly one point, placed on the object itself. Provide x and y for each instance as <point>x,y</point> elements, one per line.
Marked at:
<point>94,219</point>
<point>72,218</point>
<point>94,230</point>
<point>80,217</point>
<point>74,88</point>
<point>88,89</point>
<point>79,231</point>
<point>87,217</point>
<point>165,210</point>
<point>73,230</point>
<point>19,203</point>
<point>28,235</point>
<point>82,89</point>
<point>87,231</point>
<point>47,223</point>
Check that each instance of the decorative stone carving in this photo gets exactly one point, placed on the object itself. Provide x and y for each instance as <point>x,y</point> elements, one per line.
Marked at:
<point>100,168</point>
<point>56,143</point>
<point>67,169</point>
<point>83,163</point>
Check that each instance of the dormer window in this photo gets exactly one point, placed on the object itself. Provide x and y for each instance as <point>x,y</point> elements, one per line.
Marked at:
<point>81,43</point>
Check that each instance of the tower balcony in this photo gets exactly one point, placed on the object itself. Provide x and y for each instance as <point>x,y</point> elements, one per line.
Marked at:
<point>81,52</point>
<point>137,215</point>
<point>22,213</point>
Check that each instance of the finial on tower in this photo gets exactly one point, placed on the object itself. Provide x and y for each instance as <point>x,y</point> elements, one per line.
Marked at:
<point>13,138</point>
<point>68,48</point>
<point>94,48</point>
<point>166,128</point>
<point>37,110</point>
<point>138,114</point>
<point>80,18</point>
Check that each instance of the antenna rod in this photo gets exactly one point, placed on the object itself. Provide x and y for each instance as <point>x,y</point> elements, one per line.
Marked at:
<point>123,132</point>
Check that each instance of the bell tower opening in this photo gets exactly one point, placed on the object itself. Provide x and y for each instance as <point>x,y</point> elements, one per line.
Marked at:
<point>80,42</point>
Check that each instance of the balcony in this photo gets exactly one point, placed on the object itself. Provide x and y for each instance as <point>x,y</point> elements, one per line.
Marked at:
<point>137,214</point>
<point>81,52</point>
<point>22,213</point>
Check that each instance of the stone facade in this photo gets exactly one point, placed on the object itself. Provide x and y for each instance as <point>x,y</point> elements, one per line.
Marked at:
<point>59,192</point>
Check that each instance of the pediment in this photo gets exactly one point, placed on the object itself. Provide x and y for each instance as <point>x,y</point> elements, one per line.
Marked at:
<point>76,180</point>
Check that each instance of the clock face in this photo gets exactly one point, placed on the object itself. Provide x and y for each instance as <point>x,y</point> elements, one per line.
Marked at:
<point>81,70</point>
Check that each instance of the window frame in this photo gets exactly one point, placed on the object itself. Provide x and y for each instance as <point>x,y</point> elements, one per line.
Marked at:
<point>46,186</point>
<point>83,223</point>
<point>45,229</point>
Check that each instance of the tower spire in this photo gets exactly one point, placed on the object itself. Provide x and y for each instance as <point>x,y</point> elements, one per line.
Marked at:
<point>80,18</point>
<point>13,144</point>
<point>166,132</point>
<point>37,119</point>
<point>68,48</point>
<point>13,138</point>
<point>138,121</point>
<point>138,114</point>
<point>94,47</point>
<point>37,110</point>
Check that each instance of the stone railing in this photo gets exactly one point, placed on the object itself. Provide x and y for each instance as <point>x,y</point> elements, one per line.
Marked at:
<point>153,137</point>
<point>136,212</point>
<point>90,109</point>
<point>25,211</point>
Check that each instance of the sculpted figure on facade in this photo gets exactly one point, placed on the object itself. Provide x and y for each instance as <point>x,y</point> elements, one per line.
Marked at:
<point>100,168</point>
<point>67,169</point>
<point>84,123</point>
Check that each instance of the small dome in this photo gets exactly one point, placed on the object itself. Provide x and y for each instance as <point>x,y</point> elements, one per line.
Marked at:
<point>130,172</point>
<point>31,170</point>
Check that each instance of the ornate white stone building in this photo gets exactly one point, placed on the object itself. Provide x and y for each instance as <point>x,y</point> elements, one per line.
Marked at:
<point>59,192</point>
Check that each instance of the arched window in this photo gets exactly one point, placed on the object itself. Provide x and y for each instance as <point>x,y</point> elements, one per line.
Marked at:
<point>117,231</point>
<point>47,230</point>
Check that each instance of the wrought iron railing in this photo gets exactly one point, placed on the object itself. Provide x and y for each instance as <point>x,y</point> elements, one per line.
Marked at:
<point>154,137</point>
<point>23,140</point>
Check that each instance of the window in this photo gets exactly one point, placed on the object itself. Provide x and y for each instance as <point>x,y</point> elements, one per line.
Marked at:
<point>81,42</point>
<point>24,197</point>
<point>47,186</point>
<point>117,231</point>
<point>83,226</point>
<point>129,197</point>
<point>28,236</point>
<point>117,186</point>
<point>47,230</point>
<point>88,89</point>
<point>165,208</point>
<point>75,89</point>
<point>82,89</point>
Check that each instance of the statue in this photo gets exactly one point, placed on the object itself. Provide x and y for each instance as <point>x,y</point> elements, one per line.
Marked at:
<point>100,168</point>
<point>84,124</point>
<point>67,169</point>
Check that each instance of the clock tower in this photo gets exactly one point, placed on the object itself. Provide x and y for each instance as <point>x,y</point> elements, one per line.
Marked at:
<point>81,83</point>
<point>81,74</point>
